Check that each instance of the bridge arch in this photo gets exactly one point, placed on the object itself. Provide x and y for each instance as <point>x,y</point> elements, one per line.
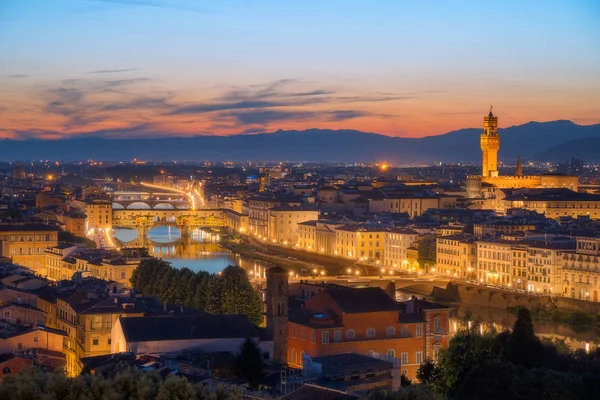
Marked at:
<point>118,206</point>
<point>183,207</point>
<point>164,206</point>
<point>138,205</point>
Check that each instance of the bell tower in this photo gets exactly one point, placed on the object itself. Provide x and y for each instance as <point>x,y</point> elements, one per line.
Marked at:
<point>490,144</point>
<point>277,311</point>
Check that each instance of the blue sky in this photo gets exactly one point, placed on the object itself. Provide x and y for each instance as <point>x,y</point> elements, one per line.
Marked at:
<point>403,68</point>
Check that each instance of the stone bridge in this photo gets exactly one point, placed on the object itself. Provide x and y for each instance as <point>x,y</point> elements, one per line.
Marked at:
<point>184,219</point>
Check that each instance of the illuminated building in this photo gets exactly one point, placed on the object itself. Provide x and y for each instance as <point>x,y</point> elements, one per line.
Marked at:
<point>581,275</point>
<point>283,222</point>
<point>396,244</point>
<point>99,216</point>
<point>25,244</point>
<point>456,256</point>
<point>490,177</point>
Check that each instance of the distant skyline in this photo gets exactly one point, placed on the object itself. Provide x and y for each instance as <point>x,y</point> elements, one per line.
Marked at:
<point>156,68</point>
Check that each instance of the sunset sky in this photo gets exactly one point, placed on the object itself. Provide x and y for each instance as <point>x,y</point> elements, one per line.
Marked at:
<point>149,68</point>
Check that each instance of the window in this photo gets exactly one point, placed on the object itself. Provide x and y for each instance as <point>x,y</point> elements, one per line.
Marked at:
<point>303,333</point>
<point>313,336</point>
<point>294,356</point>
<point>390,353</point>
<point>404,372</point>
<point>350,334</point>
<point>390,331</point>
<point>325,337</point>
<point>419,357</point>
<point>95,342</point>
<point>404,358</point>
<point>405,331</point>
<point>419,331</point>
<point>437,324</point>
<point>109,341</point>
<point>337,336</point>
<point>436,352</point>
<point>294,331</point>
<point>370,332</point>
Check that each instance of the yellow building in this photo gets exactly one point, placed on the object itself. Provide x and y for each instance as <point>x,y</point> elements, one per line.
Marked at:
<point>283,222</point>
<point>490,144</point>
<point>99,216</point>
<point>63,261</point>
<point>56,267</point>
<point>494,261</point>
<point>456,256</point>
<point>25,244</point>
<point>555,203</point>
<point>396,244</point>
<point>544,272</point>
<point>319,236</point>
<point>360,242</point>
<point>87,318</point>
<point>307,236</point>
<point>581,270</point>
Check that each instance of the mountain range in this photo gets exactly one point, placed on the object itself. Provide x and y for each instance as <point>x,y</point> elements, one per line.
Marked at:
<point>544,141</point>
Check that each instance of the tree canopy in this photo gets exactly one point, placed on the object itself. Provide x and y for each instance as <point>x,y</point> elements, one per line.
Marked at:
<point>124,384</point>
<point>229,292</point>
<point>511,365</point>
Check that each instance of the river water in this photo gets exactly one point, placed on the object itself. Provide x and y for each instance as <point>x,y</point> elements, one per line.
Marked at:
<point>202,252</point>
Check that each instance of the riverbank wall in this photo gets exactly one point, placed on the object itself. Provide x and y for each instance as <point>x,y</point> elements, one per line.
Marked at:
<point>501,299</point>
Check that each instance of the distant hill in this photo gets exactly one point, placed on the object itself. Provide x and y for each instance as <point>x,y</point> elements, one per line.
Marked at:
<point>587,149</point>
<point>526,140</point>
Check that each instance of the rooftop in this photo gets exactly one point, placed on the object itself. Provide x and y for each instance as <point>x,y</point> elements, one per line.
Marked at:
<point>201,326</point>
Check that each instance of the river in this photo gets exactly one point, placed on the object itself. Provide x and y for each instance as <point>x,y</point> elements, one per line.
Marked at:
<point>201,252</point>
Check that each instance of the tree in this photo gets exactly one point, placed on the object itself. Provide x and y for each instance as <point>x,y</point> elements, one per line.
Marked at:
<point>522,347</point>
<point>249,363</point>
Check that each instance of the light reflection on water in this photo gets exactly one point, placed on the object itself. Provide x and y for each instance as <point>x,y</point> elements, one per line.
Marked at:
<point>501,320</point>
<point>201,252</point>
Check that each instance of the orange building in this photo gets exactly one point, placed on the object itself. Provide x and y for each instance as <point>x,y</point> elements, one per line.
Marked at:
<point>336,319</point>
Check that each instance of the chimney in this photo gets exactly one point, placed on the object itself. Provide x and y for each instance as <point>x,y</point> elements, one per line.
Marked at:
<point>391,289</point>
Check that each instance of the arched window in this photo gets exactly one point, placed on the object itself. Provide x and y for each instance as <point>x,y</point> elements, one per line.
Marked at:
<point>390,353</point>
<point>390,331</point>
<point>371,332</point>
<point>294,354</point>
<point>350,334</point>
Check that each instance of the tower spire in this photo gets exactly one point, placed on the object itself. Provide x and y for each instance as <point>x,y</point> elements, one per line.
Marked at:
<point>519,169</point>
<point>491,109</point>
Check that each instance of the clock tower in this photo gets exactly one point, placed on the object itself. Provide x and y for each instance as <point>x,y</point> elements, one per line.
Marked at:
<point>490,144</point>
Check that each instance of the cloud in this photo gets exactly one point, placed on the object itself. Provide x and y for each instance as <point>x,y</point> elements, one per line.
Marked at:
<point>265,117</point>
<point>343,115</point>
<point>113,71</point>
<point>261,117</point>
<point>139,103</point>
<point>19,76</point>
<point>207,107</point>
<point>313,93</point>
